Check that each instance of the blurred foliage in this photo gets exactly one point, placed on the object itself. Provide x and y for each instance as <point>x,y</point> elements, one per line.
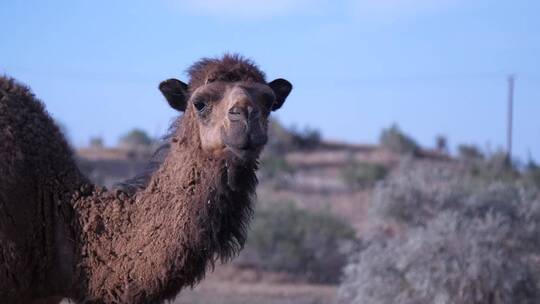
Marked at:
<point>305,139</point>
<point>136,138</point>
<point>96,142</point>
<point>532,174</point>
<point>274,166</point>
<point>453,260</point>
<point>469,152</point>
<point>414,195</point>
<point>307,244</point>
<point>496,166</point>
<point>361,174</point>
<point>492,167</point>
<point>457,239</point>
<point>283,139</point>
<point>395,140</point>
<point>441,143</point>
<point>279,138</point>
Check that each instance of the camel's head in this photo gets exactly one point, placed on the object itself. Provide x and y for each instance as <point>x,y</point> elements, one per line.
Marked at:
<point>230,101</point>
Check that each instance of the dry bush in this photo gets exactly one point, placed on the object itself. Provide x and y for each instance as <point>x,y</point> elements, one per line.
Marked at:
<point>360,174</point>
<point>464,241</point>
<point>453,260</point>
<point>274,165</point>
<point>416,194</point>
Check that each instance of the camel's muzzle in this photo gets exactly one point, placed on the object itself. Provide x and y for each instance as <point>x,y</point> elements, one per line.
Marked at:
<point>245,132</point>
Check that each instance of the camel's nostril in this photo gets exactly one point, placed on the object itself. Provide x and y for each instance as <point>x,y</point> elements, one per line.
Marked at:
<point>254,113</point>
<point>235,110</point>
<point>237,113</point>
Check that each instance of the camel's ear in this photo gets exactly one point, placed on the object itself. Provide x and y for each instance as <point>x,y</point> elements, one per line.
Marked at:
<point>176,93</point>
<point>281,88</point>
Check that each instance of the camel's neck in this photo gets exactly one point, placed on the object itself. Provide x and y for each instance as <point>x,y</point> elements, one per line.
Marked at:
<point>146,247</point>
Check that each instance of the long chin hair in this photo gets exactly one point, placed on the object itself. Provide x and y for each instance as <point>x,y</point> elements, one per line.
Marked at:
<point>236,193</point>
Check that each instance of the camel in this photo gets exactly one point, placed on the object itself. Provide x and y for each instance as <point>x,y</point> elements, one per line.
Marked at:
<point>63,237</point>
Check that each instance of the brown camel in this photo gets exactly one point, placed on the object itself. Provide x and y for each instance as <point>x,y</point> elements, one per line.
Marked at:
<point>62,237</point>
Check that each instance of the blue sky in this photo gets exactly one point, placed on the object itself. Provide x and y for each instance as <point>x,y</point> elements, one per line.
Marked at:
<point>433,67</point>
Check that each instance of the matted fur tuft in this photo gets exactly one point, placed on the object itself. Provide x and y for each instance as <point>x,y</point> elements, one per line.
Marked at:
<point>229,68</point>
<point>37,172</point>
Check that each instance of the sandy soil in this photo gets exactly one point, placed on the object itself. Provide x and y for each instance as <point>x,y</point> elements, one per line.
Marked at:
<point>215,292</point>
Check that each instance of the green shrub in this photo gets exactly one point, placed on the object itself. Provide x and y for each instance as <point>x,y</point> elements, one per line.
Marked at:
<point>306,139</point>
<point>136,138</point>
<point>395,140</point>
<point>282,139</point>
<point>441,142</point>
<point>469,152</point>
<point>96,143</point>
<point>307,244</point>
<point>532,174</point>
<point>274,165</point>
<point>359,174</point>
<point>490,167</point>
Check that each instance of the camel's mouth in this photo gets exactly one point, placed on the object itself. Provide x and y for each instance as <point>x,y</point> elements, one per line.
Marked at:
<point>246,153</point>
<point>244,142</point>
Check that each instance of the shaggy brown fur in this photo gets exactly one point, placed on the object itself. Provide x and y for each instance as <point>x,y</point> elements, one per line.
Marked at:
<point>37,176</point>
<point>132,257</point>
<point>62,236</point>
<point>230,68</point>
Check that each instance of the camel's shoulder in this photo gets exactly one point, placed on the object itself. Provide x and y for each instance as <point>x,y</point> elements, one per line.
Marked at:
<point>11,88</point>
<point>17,102</point>
<point>24,122</point>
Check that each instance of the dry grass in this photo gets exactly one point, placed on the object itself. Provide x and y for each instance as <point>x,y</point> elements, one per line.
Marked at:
<point>231,285</point>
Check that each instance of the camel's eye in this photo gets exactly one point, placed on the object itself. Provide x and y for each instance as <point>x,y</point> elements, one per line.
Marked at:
<point>200,106</point>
